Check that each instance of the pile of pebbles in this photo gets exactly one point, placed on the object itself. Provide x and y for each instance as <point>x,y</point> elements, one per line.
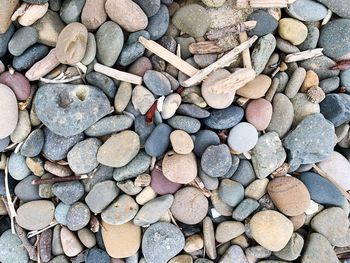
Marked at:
<point>97,168</point>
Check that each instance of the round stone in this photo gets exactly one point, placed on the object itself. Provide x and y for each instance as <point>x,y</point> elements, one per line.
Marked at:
<point>8,111</point>
<point>303,107</point>
<point>292,30</point>
<point>181,142</point>
<point>265,23</point>
<point>26,191</point>
<point>140,66</point>
<point>259,113</point>
<point>78,216</point>
<point>12,249</point>
<point>243,137</point>
<point>231,192</point>
<point>157,83</point>
<point>256,88</point>
<point>205,138</point>
<point>97,255</point>
<point>228,230</point>
<point>216,160</point>
<point>295,82</point>
<point>307,10</point>
<point>188,124</point>
<point>70,243</point>
<point>33,144</point>
<point>160,184</point>
<point>190,206</point>
<point>61,212</point>
<point>87,237</point>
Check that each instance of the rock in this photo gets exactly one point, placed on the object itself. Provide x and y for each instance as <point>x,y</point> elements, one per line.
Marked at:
<point>26,191</point>
<point>68,192</point>
<point>266,23</point>
<point>143,129</point>
<point>22,39</point>
<point>256,189</point>
<point>287,47</point>
<point>61,212</point>
<point>257,252</point>
<point>234,253</point>
<point>311,40</point>
<point>101,195</point>
<point>295,82</point>
<point>110,124</point>
<point>216,160</point>
<point>214,3</point>
<point>329,195</point>
<point>8,111</point>
<point>122,97</point>
<point>32,14</point>
<point>259,113</point>
<point>271,229</point>
<point>97,255</point>
<point>262,51</point>
<point>33,144</point>
<point>307,10</point>
<point>159,140</point>
<point>152,211</point>
<point>109,42</point>
<point>158,24</point>
<point>335,166</point>
<point>129,146</point>
<point>87,237</point>
<point>127,14</point>
<point>204,60</point>
<point>17,166</point>
<point>243,137</point>
<point>184,43</point>
<point>292,30</point>
<point>35,215</point>
<point>170,105</point>
<point>12,249</point>
<point>185,123</point>
<point>311,80</point>
<point>70,243</point>
<point>228,230</point>
<point>268,154</point>
<point>256,88</point>
<point>5,39</point>
<point>78,216</point>
<point>29,57</point>
<point>289,195</point>
<point>74,108</point>
<point>193,243</point>
<point>70,11</point>
<point>190,206</point>
<point>321,66</point>
<point>245,209</point>
<point>244,173</point>
<point>147,194</point>
<point>181,142</point>
<point>224,119</point>
<point>303,107</point>
<point>23,127</point>
<point>192,19</point>
<point>231,192</point>
<point>150,7</point>
<point>142,99</point>
<point>282,79</point>
<point>319,144</point>
<point>334,39</point>
<point>182,259</point>
<point>160,184</point>
<point>121,211</point>
<point>103,82</point>
<point>157,83</point>
<point>330,84</point>
<point>318,249</point>
<point>335,108</point>
<point>293,248</point>
<point>130,53</point>
<point>205,138</point>
<point>337,7</point>
<point>4,143</point>
<point>93,14</point>
<point>140,66</point>
<point>209,238</point>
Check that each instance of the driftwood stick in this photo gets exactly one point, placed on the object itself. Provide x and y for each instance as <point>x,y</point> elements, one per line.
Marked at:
<point>327,18</point>
<point>224,61</point>
<point>169,57</point>
<point>117,74</point>
<point>32,253</point>
<point>262,3</point>
<point>205,47</point>
<point>54,81</point>
<point>217,33</point>
<point>247,63</point>
<point>303,55</point>
<point>59,179</point>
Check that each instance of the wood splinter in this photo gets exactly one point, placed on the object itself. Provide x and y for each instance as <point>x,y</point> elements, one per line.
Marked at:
<point>263,3</point>
<point>218,33</point>
<point>117,74</point>
<point>60,179</point>
<point>303,55</point>
<point>205,47</point>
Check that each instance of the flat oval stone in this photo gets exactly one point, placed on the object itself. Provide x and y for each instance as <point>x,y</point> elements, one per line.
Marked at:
<point>93,14</point>
<point>262,52</point>
<point>122,97</point>
<point>33,144</point>
<point>158,24</point>
<point>292,30</point>
<point>289,195</point>
<point>78,216</point>
<point>12,249</point>
<point>204,138</point>
<point>259,113</point>
<point>121,241</point>
<point>157,83</point>
<point>149,7</point>
<point>103,82</point>
<point>266,23</point>
<point>216,160</point>
<point>224,119</point>
<point>231,192</point>
<point>17,166</point>
<point>192,110</point>
<point>68,192</point>
<point>295,82</point>
<point>70,243</point>
<point>228,230</point>
<point>185,123</point>
<point>243,137</point>
<point>8,111</point>
<point>74,110</point>
<point>97,255</point>
<point>159,140</point>
<point>271,229</point>
<point>108,125</point>
<point>245,209</point>
<point>87,238</point>
<point>190,206</point>
<point>26,191</point>
<point>339,7</point>
<point>256,88</point>
<point>170,105</point>
<point>181,142</point>
<point>70,11</point>
<point>160,184</point>
<point>128,146</point>
<point>307,10</point>
<point>22,39</point>
<point>140,66</point>
<point>23,127</point>
<point>179,168</point>
<point>142,99</point>
<point>35,215</point>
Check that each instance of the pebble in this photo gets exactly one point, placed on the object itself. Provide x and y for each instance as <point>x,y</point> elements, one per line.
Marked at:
<point>22,39</point>
<point>204,138</point>
<point>108,125</point>
<point>311,80</point>
<point>143,129</point>
<point>61,212</point>
<point>109,42</point>
<point>184,43</point>
<point>147,194</point>
<point>262,51</point>
<point>225,118</point>
<point>140,66</point>
<point>23,127</point>
<point>68,192</point>
<point>185,123</point>
<point>5,39</point>
<point>244,173</point>
<point>335,108</point>
<point>181,142</point>
<point>93,14</point>
<point>312,38</point>
<point>142,99</point>
<point>303,107</point>
<point>231,192</point>
<point>45,190</point>
<point>87,237</point>
<point>216,160</point>
<point>127,14</point>
<point>330,84</point>
<point>157,83</point>
<point>44,212</point>
<point>161,185</point>
<point>204,60</point>
<point>268,154</point>
<point>70,11</point>
<point>29,57</point>
<point>158,23</point>
<point>266,23</point>
<point>256,88</point>
<point>32,14</point>
<point>26,191</point>
<point>12,249</point>
<point>70,243</point>
<point>96,255</point>
<point>193,243</point>
<point>321,66</point>
<point>307,10</point>
<point>234,253</point>
<point>318,248</point>
<point>338,7</point>
<point>319,144</point>
<point>4,143</point>
<point>209,238</point>
<point>182,259</point>
<point>295,82</point>
<point>334,39</point>
<point>130,53</point>
<point>122,96</point>
<point>228,230</point>
<point>214,3</point>
<point>190,206</point>
<point>159,140</point>
<point>78,216</point>
<point>8,9</point>
<point>271,229</point>
<point>8,111</point>
<point>259,113</point>
<point>101,195</point>
<point>336,166</point>
<point>243,137</point>
<point>170,105</point>
<point>192,19</point>
<point>33,144</point>
<point>103,82</point>
<point>149,7</point>
<point>17,167</point>
<point>257,252</point>
<point>293,248</point>
<point>292,30</point>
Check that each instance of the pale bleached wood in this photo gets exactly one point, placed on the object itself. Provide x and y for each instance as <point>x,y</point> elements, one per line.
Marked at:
<point>217,33</point>
<point>205,47</point>
<point>224,61</point>
<point>303,55</point>
<point>247,63</point>
<point>117,74</point>
<point>169,57</point>
<point>262,3</point>
<point>327,18</point>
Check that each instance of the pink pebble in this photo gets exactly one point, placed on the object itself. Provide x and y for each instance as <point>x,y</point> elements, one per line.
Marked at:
<point>140,66</point>
<point>259,113</point>
<point>160,184</point>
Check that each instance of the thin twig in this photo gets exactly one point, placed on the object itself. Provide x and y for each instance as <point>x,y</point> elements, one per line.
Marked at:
<point>58,81</point>
<point>12,212</point>
<point>54,180</point>
<point>37,232</point>
<point>117,74</point>
<point>247,63</point>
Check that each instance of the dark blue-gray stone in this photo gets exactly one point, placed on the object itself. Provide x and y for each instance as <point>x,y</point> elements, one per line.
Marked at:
<point>103,173</point>
<point>335,38</point>
<point>283,80</point>
<point>244,174</point>
<point>224,119</point>
<point>142,128</point>
<point>193,111</point>
<point>266,23</point>
<point>5,224</point>
<point>158,24</point>
<point>339,7</point>
<point>5,38</point>
<point>103,82</point>
<point>234,166</point>
<point>27,191</point>
<point>245,209</point>
<point>61,212</point>
<point>108,125</point>
<point>71,10</point>
<point>321,65</point>
<point>68,109</point>
<point>159,140</point>
<point>321,190</point>
<point>78,216</point>
<point>137,166</point>
<point>150,7</point>
<point>311,141</point>
<point>204,138</point>
<point>313,33</point>
<point>29,57</point>
<point>36,2</point>
<point>96,255</point>
<point>17,166</point>
<point>307,10</point>
<point>336,108</point>
<point>12,184</point>
<point>12,249</point>
<point>169,43</point>
<point>68,192</point>
<point>4,143</point>
<point>185,123</point>
<point>55,5</point>
<point>33,144</point>
<point>157,83</point>
<point>231,192</point>
<point>22,39</point>
<point>330,84</point>
<point>345,79</point>
<point>56,147</point>
<point>131,53</point>
<point>216,160</point>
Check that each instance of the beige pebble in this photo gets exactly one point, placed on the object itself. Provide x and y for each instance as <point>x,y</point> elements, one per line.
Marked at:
<point>209,238</point>
<point>56,169</point>
<point>35,165</point>
<point>87,237</point>
<point>123,96</point>
<point>256,88</point>
<point>228,230</point>
<point>311,80</point>
<point>241,241</point>
<point>70,243</point>
<point>6,11</point>
<point>193,243</point>
<point>93,14</point>
<point>43,66</point>
<point>142,99</point>
<point>165,217</point>
<point>298,221</point>
<point>292,30</point>
<point>256,189</point>
<point>170,105</point>
<point>221,207</point>
<point>32,14</point>
<point>181,142</point>
<point>143,180</point>
<point>8,111</point>
<point>147,194</point>
<point>181,259</point>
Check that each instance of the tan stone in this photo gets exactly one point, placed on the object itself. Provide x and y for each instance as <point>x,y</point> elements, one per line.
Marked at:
<point>193,243</point>
<point>32,14</point>
<point>298,221</point>
<point>181,141</point>
<point>181,259</point>
<point>70,243</point>
<point>93,14</point>
<point>241,241</point>
<point>147,194</point>
<point>256,189</point>
<point>292,30</point>
<point>7,7</point>
<point>311,80</point>
<point>256,88</point>
<point>123,96</point>
<point>228,230</point>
